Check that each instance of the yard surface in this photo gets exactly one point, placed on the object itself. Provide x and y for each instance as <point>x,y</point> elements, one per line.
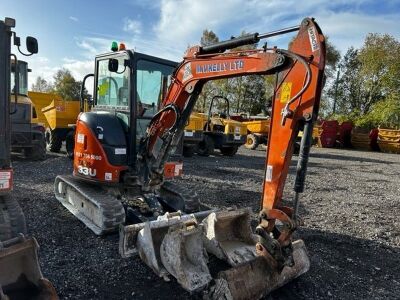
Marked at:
<point>350,209</point>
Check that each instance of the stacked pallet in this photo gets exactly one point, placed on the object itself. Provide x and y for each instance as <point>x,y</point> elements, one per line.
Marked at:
<point>389,140</point>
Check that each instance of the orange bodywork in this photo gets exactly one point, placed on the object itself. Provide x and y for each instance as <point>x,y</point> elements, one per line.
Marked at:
<point>296,100</point>
<point>90,160</point>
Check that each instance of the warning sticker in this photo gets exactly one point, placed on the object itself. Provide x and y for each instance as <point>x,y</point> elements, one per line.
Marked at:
<point>286,90</point>
<point>80,138</point>
<point>268,174</point>
<point>187,72</point>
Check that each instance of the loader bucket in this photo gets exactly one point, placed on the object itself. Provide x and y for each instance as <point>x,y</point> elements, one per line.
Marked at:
<point>20,276</point>
<point>258,277</point>
<point>184,257</point>
<point>228,235</point>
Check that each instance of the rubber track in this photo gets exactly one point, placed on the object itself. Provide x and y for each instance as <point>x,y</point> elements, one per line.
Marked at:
<point>12,219</point>
<point>190,198</point>
<point>111,209</point>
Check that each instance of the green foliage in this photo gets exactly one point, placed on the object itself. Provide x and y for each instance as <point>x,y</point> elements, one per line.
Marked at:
<point>41,85</point>
<point>66,86</point>
<point>368,86</point>
<point>246,93</point>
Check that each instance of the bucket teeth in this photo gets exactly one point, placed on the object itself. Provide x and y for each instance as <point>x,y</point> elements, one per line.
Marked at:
<point>184,257</point>
<point>228,235</point>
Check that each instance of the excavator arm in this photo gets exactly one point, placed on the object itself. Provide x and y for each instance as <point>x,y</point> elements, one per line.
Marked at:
<point>299,80</point>
<point>299,72</point>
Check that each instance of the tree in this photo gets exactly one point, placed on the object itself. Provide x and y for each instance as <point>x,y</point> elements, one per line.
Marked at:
<point>331,69</point>
<point>66,86</point>
<point>369,77</point>
<point>210,89</point>
<point>41,85</point>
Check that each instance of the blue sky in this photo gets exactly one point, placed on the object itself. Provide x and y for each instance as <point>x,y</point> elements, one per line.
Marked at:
<point>72,32</point>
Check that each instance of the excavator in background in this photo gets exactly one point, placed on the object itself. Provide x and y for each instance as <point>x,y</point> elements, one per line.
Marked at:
<point>120,155</point>
<point>20,275</point>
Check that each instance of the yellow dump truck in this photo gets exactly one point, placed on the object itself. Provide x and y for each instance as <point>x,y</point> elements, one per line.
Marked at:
<point>220,131</point>
<point>57,115</point>
<point>257,131</point>
<point>192,135</point>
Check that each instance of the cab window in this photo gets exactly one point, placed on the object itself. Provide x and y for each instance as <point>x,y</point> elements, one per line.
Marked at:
<point>23,78</point>
<point>112,87</point>
<point>149,88</point>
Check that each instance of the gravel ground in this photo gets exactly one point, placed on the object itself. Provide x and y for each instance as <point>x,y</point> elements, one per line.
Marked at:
<point>350,210</point>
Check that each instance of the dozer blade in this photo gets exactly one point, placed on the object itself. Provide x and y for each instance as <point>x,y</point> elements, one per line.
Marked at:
<point>20,275</point>
<point>259,277</point>
<point>99,211</point>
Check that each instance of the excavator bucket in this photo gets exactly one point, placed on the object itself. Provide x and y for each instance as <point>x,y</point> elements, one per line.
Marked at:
<point>228,235</point>
<point>259,277</point>
<point>177,245</point>
<point>183,238</point>
<point>20,276</point>
<point>184,257</point>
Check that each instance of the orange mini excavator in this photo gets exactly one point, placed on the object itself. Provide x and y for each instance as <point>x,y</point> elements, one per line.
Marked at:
<point>168,237</point>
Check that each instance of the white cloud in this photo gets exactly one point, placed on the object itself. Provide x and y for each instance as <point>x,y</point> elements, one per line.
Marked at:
<point>182,22</point>
<point>72,18</point>
<point>132,26</point>
<point>93,46</point>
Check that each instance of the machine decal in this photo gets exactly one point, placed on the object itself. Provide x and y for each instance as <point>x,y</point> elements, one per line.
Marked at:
<point>120,151</point>
<point>187,73</point>
<point>220,67</point>
<point>5,179</point>
<point>108,176</point>
<point>87,171</point>
<point>188,133</point>
<point>80,138</point>
<point>313,38</point>
<point>268,174</point>
<point>286,91</point>
<point>88,156</point>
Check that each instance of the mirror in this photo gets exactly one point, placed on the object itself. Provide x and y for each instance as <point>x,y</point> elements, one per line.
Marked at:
<point>113,65</point>
<point>32,45</point>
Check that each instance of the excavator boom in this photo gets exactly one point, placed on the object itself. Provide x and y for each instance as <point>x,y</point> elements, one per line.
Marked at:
<point>263,261</point>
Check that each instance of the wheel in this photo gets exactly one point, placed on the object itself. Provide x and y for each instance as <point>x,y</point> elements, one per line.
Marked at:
<point>53,140</point>
<point>206,146</point>
<point>12,219</point>
<point>229,151</point>
<point>188,151</point>
<point>36,152</point>
<point>70,144</point>
<point>252,141</point>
